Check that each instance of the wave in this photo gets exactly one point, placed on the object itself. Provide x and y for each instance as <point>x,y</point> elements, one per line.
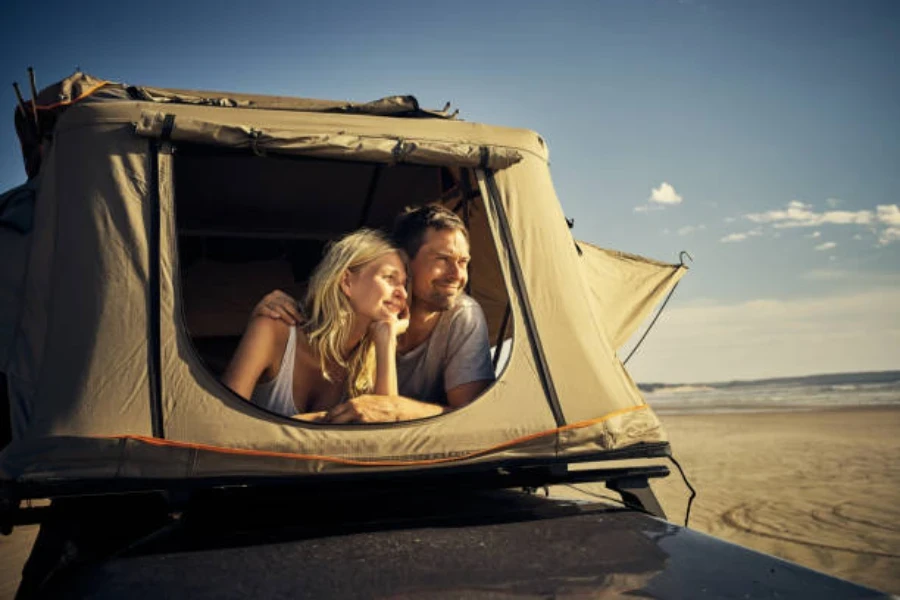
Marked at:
<point>682,389</point>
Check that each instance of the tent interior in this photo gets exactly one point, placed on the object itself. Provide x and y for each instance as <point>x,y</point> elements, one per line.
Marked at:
<point>249,224</point>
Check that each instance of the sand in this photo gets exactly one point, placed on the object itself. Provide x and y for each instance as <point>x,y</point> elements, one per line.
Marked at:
<point>821,489</point>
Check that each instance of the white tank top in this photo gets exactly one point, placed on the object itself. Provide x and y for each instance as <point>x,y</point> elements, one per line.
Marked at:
<point>277,395</point>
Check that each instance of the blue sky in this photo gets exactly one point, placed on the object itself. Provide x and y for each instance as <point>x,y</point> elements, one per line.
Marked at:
<point>762,137</point>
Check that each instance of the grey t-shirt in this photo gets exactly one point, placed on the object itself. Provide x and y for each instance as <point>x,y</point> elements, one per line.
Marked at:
<point>458,351</point>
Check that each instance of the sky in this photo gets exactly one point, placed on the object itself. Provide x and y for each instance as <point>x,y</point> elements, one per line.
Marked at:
<point>762,137</point>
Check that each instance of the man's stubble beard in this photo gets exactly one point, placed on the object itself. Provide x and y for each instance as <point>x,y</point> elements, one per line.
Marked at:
<point>437,302</point>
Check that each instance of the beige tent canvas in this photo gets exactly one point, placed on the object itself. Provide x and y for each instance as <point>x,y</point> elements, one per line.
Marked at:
<point>154,219</point>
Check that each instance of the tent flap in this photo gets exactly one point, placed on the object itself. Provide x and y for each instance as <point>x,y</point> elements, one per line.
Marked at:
<point>624,287</point>
<point>339,145</point>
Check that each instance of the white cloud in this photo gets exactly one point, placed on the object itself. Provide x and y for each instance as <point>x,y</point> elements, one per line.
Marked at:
<point>689,229</point>
<point>665,194</point>
<point>740,237</point>
<point>729,219</point>
<point>833,202</point>
<point>800,214</point>
<point>889,236</point>
<point>733,237</point>
<point>647,207</point>
<point>708,341</point>
<point>826,246</point>
<point>888,214</point>
<point>834,217</point>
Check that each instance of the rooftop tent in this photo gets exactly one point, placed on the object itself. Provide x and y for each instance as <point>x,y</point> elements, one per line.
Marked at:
<point>161,215</point>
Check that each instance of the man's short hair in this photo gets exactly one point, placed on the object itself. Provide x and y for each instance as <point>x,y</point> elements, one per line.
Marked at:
<point>411,225</point>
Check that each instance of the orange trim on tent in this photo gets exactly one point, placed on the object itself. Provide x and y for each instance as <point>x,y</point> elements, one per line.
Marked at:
<point>378,463</point>
<point>72,101</point>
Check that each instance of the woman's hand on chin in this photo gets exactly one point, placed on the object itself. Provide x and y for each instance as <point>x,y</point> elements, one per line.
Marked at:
<point>387,330</point>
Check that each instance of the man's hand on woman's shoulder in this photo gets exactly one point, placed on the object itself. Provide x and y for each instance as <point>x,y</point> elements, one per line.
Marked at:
<point>278,305</point>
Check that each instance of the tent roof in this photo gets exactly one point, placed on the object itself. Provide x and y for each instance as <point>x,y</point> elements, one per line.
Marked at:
<point>80,88</point>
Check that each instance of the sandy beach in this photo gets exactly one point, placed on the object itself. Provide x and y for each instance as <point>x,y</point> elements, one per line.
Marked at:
<point>818,488</point>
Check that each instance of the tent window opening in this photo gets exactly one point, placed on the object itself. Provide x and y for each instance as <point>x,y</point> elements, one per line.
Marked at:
<point>249,224</point>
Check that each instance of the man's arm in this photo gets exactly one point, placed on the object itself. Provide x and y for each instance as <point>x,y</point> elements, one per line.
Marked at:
<point>468,371</point>
<point>463,394</point>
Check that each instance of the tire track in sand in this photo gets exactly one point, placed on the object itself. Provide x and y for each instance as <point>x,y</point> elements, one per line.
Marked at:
<point>797,526</point>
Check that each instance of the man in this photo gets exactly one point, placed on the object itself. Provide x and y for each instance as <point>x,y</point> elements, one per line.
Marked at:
<point>443,359</point>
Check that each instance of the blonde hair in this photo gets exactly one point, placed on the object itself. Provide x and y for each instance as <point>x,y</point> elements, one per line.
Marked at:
<point>329,316</point>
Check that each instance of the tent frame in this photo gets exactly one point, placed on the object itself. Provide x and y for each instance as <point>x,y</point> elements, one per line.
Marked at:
<point>631,482</point>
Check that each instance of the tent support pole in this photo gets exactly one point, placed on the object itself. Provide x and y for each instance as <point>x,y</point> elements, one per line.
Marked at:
<point>154,353</point>
<point>502,334</point>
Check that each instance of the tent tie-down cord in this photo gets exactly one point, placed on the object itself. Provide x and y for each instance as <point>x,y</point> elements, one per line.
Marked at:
<point>681,256</point>
<point>687,511</point>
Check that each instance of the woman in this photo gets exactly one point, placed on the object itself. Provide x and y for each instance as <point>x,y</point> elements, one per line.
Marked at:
<point>346,346</point>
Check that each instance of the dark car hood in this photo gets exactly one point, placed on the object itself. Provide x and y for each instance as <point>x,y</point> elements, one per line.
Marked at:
<point>485,545</point>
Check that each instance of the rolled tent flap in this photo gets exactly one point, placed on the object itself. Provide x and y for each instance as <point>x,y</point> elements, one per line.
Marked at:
<point>339,145</point>
<point>389,106</point>
<point>624,288</point>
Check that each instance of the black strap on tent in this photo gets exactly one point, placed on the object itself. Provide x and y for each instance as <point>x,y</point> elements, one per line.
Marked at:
<point>154,354</point>
<point>168,125</point>
<point>501,334</point>
<point>484,158</point>
<point>254,143</point>
<point>681,256</point>
<point>468,194</point>
<point>571,224</point>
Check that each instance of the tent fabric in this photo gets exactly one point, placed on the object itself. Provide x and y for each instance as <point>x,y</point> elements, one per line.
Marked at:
<point>390,106</point>
<point>624,288</point>
<point>105,381</point>
<point>382,149</point>
<point>16,222</point>
<point>55,99</point>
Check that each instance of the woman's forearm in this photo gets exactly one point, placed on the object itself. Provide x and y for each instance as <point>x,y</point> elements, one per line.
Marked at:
<point>386,367</point>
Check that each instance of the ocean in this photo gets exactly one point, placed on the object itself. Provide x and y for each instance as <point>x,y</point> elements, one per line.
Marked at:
<point>772,395</point>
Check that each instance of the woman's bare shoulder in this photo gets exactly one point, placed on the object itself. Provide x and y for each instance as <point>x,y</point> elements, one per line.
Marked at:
<point>270,332</point>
